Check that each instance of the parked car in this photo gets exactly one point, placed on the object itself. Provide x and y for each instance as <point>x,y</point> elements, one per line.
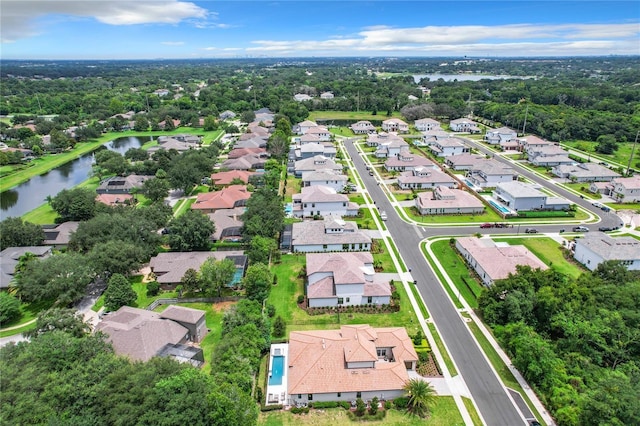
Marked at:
<point>486,225</point>
<point>605,229</point>
<point>598,205</point>
<point>580,229</point>
<point>605,208</point>
<point>531,231</point>
<point>383,216</point>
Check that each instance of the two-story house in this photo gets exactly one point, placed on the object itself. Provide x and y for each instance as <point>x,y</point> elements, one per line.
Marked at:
<point>464,125</point>
<point>488,173</point>
<point>363,127</point>
<point>330,234</point>
<point>426,124</point>
<point>447,147</point>
<point>322,200</point>
<point>425,178</point>
<point>329,178</point>
<point>503,134</point>
<point>395,125</point>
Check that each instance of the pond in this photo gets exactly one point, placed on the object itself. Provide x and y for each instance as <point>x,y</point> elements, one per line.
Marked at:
<point>33,193</point>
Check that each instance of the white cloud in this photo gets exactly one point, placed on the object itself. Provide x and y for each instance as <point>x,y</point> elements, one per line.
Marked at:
<point>172,43</point>
<point>19,16</point>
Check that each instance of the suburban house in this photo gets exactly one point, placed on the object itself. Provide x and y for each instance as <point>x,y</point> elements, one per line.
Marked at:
<point>264,115</point>
<point>141,334</point>
<point>463,161</point>
<point>227,198</point>
<point>249,140</point>
<point>319,162</point>
<point>532,142</point>
<point>356,361</point>
<point>597,247</point>
<point>407,162</point>
<point>58,236</point>
<point>430,136</point>
<point>329,178</point>
<point>228,224</point>
<point>447,147</point>
<point>503,134</point>
<point>226,115</point>
<point>169,268</point>
<point>624,190</point>
<point>304,126</point>
<point>10,257</point>
<point>327,235</point>
<point>550,155</point>
<point>362,128</point>
<point>493,261</point>
<point>425,178</point>
<point>326,95</point>
<point>444,200</point>
<point>585,172</point>
<point>225,178</point>
<point>426,124</point>
<point>377,139</point>
<point>321,132</point>
<point>511,145</point>
<point>246,162</point>
<point>319,200</point>
<point>523,196</point>
<point>343,279</point>
<point>395,125</point>
<point>392,148</point>
<point>299,97</point>
<point>489,173</point>
<point>122,184</point>
<point>114,199</point>
<point>241,152</point>
<point>464,125</point>
<point>309,150</point>
<point>161,92</point>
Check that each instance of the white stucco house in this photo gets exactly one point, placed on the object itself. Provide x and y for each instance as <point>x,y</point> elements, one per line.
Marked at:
<point>596,247</point>
<point>344,279</point>
<point>395,125</point>
<point>329,178</point>
<point>521,196</point>
<point>464,125</point>
<point>503,134</point>
<point>319,200</point>
<point>585,172</point>
<point>330,234</point>
<point>488,173</point>
<point>447,147</point>
<point>304,126</point>
<point>426,124</point>
<point>626,190</point>
<point>425,178</point>
<point>319,162</point>
<point>407,161</point>
<point>444,200</point>
<point>363,127</point>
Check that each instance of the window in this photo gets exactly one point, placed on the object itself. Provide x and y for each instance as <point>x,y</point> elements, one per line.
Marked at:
<point>339,394</point>
<point>310,397</point>
<point>370,300</point>
<point>382,352</point>
<point>358,394</point>
<point>345,247</point>
<point>324,246</point>
<point>340,300</point>
<point>347,300</point>
<point>299,396</point>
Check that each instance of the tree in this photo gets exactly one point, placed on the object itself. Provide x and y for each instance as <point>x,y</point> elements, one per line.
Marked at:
<point>283,125</point>
<point>116,257</point>
<point>279,327</point>
<point>373,410</point>
<point>421,396</point>
<point>264,214</point>
<point>361,407</point>
<point>168,123</point>
<point>215,274</point>
<point>9,308</point>
<point>136,154</point>
<point>60,319</point>
<point>190,280</point>
<point>111,161</point>
<point>257,282</point>
<point>247,116</point>
<point>189,168</point>
<point>141,123</point>
<point>62,277</point>
<point>155,189</point>
<point>14,232</point>
<point>190,232</point>
<point>607,144</point>
<point>74,204</point>
<point>260,249</point>
<point>119,293</point>
<point>278,145</point>
<point>210,123</point>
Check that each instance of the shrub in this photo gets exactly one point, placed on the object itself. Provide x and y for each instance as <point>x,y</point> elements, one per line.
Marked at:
<point>300,299</point>
<point>401,403</point>
<point>9,308</point>
<point>259,394</point>
<point>388,405</point>
<point>417,338</point>
<point>271,310</point>
<point>345,405</point>
<point>373,409</point>
<point>361,407</point>
<point>271,407</point>
<point>279,327</point>
<point>299,410</point>
<point>153,288</point>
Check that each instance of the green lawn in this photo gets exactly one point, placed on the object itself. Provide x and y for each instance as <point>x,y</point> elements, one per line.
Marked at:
<point>488,216</point>
<point>472,411</point>
<point>620,156</point>
<point>284,297</point>
<point>29,312</point>
<point>449,290</point>
<point>342,131</point>
<point>443,351</point>
<point>443,413</point>
<point>143,299</point>
<point>416,294</point>
<point>182,206</point>
<point>549,252</point>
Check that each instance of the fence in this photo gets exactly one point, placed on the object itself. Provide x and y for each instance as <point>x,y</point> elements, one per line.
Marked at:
<point>174,301</point>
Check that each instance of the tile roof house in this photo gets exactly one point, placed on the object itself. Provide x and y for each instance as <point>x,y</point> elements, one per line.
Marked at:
<point>114,199</point>
<point>225,178</point>
<point>464,125</point>
<point>445,200</point>
<point>342,279</point>
<point>425,178</point>
<point>426,124</point>
<point>395,125</point>
<point>503,134</point>
<point>625,190</point>
<point>319,162</point>
<point>246,162</point>
<point>523,196</point>
<point>320,200</point>
<point>330,178</point>
<point>10,257</point>
<point>227,198</point>
<point>321,132</point>
<point>59,235</point>
<point>264,114</point>
<point>299,97</point>
<point>309,150</point>
<point>122,184</point>
<point>228,224</point>
<point>392,148</point>
<point>585,172</point>
<point>550,155</point>
<point>304,126</point>
<point>167,143</point>
<point>377,139</point>
<point>597,247</point>
<point>494,262</point>
<point>251,141</point>
<point>431,136</point>
<point>356,361</point>
<point>407,162</point>
<point>362,127</point>
<point>463,161</point>
<point>224,115</point>
<point>326,95</point>
<point>169,268</point>
<point>241,152</point>
<point>447,147</point>
<point>488,173</point>
<point>141,335</point>
<point>328,235</point>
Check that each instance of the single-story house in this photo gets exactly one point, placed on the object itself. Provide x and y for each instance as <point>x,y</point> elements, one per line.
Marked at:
<point>585,172</point>
<point>520,196</point>
<point>227,198</point>
<point>503,134</point>
<point>494,262</point>
<point>114,199</point>
<point>395,125</point>
<point>241,152</point>
<point>445,200</point>
<point>464,125</point>
<point>531,142</point>
<point>488,173</point>
<point>463,161</point>
<point>122,184</point>
<point>330,178</point>
<point>407,162</point>
<point>246,162</point>
<point>141,335</point>
<point>550,155</point>
<point>225,178</point>
<point>447,147</point>
<point>363,127</point>
<point>326,95</point>
<point>426,124</point>
<point>320,200</point>
<point>225,115</point>
<point>59,235</point>
<point>250,140</point>
<point>342,279</point>
<point>356,361</point>
<point>169,268</point>
<point>425,178</point>
<point>10,257</point>
<point>180,143</point>
<point>264,115</point>
<point>597,247</point>
<point>319,162</point>
<point>299,97</point>
<point>228,224</point>
<point>327,235</point>
<point>304,126</point>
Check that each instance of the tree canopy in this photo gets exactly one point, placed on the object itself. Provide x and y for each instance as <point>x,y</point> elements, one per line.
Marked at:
<point>190,232</point>
<point>264,214</point>
<point>14,232</point>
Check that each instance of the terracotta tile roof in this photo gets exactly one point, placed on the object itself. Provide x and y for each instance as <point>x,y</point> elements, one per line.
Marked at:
<point>226,198</point>
<point>113,199</point>
<point>453,198</point>
<point>318,359</point>
<point>225,178</point>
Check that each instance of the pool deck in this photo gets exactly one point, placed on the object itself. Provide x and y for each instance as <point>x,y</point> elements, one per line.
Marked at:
<point>277,394</point>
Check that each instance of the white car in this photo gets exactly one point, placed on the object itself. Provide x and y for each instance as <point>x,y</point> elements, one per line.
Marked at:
<point>383,216</point>
<point>597,204</point>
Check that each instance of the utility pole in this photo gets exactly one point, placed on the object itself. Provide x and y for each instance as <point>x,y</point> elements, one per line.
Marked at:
<point>524,125</point>
<point>633,149</point>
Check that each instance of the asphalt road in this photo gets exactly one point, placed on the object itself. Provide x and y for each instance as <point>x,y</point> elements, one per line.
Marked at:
<point>494,404</point>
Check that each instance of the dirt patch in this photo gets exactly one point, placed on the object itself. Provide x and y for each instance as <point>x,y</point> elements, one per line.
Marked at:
<point>222,306</point>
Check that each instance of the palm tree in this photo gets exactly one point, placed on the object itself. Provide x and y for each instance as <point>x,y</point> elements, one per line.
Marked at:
<point>421,396</point>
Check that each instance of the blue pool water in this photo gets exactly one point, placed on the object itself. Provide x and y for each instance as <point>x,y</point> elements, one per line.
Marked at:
<point>469,184</point>
<point>237,277</point>
<point>499,207</point>
<point>288,208</point>
<point>277,370</point>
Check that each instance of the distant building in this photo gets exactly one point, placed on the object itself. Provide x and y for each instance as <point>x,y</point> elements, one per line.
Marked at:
<point>426,124</point>
<point>122,184</point>
<point>326,95</point>
<point>585,172</point>
<point>10,257</point>
<point>464,125</point>
<point>497,136</point>
<point>362,128</point>
<point>300,97</point>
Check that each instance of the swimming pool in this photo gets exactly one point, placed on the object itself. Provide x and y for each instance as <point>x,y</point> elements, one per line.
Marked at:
<point>277,370</point>
<point>288,208</point>
<point>499,207</point>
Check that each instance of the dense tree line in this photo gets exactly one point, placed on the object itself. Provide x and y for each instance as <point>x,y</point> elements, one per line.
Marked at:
<point>577,341</point>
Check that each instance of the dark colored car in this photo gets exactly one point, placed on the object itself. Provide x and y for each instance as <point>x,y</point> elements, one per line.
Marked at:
<point>531,231</point>
<point>486,225</point>
<point>580,229</point>
<point>605,229</point>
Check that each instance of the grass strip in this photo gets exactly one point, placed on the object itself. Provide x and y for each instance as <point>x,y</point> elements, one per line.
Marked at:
<point>445,355</point>
<point>471,408</point>
<point>416,294</point>
<point>441,278</point>
<point>466,284</point>
<point>403,267</point>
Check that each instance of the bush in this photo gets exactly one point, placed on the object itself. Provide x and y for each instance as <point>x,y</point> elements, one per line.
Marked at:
<point>361,407</point>
<point>153,288</point>
<point>299,410</point>
<point>401,403</point>
<point>259,394</point>
<point>417,338</point>
<point>373,409</point>
<point>9,308</point>
<point>271,407</point>
<point>271,310</point>
<point>388,405</point>
<point>300,299</point>
<point>279,327</point>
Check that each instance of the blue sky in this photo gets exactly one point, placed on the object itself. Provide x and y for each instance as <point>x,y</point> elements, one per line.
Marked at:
<point>141,29</point>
